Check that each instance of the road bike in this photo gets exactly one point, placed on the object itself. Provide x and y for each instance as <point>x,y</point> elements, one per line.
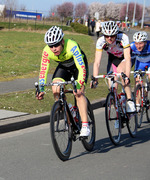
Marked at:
<point>64,128</point>
<point>115,109</point>
<point>142,95</point>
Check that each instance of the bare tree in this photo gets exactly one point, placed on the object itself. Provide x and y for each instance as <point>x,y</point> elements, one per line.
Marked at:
<point>138,14</point>
<point>11,4</point>
<point>113,11</point>
<point>106,11</point>
<point>81,10</point>
<point>65,10</point>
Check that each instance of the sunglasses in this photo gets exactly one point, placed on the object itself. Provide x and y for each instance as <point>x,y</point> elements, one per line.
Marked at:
<point>55,45</point>
<point>110,36</point>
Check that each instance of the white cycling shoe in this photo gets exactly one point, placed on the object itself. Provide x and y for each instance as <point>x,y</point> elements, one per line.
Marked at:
<point>138,107</point>
<point>130,106</point>
<point>85,131</point>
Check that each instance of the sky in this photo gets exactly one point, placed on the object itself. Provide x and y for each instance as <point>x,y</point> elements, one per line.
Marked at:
<point>44,6</point>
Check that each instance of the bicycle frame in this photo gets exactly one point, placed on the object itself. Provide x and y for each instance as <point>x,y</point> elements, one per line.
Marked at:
<point>64,102</point>
<point>112,88</point>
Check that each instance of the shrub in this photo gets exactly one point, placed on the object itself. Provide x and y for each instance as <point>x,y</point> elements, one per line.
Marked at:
<point>79,28</point>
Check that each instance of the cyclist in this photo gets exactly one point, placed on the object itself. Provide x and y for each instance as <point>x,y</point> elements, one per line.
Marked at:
<point>140,54</point>
<point>71,62</point>
<point>117,46</point>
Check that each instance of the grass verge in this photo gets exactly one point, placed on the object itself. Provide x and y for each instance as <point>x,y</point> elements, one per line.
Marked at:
<point>20,53</point>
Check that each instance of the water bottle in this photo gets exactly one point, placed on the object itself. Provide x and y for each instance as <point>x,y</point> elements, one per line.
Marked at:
<point>72,110</point>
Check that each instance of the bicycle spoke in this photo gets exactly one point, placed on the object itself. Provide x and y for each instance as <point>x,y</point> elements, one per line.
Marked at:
<point>112,121</point>
<point>139,104</point>
<point>60,132</point>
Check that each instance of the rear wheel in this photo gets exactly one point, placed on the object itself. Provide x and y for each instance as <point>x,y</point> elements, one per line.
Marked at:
<point>147,100</point>
<point>60,130</point>
<point>113,121</point>
<point>89,142</point>
<point>139,104</point>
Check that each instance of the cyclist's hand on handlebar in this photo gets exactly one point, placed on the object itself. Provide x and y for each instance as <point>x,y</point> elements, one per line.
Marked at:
<point>40,96</point>
<point>127,81</point>
<point>94,82</point>
<point>79,91</point>
<point>125,78</point>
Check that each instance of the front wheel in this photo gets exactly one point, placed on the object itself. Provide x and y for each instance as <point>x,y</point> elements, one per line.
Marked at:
<point>60,130</point>
<point>90,141</point>
<point>113,121</point>
<point>139,105</point>
<point>132,124</point>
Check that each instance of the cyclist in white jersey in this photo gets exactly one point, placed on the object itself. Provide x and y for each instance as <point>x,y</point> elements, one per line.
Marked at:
<point>117,46</point>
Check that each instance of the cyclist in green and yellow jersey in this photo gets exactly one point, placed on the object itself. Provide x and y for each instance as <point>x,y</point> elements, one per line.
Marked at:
<point>71,62</point>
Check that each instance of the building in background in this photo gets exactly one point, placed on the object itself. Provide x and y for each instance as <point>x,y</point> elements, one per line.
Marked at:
<point>24,15</point>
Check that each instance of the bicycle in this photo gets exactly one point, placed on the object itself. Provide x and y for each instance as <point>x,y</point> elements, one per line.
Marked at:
<point>115,109</point>
<point>64,128</point>
<point>142,93</point>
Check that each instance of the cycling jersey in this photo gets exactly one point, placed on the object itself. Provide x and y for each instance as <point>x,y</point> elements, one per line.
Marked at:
<point>142,56</point>
<point>114,50</point>
<point>70,56</point>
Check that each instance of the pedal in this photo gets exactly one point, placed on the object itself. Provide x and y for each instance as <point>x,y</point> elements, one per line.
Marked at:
<point>82,138</point>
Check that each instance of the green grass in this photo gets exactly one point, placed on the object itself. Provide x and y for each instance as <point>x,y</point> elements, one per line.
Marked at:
<point>20,53</point>
<point>26,101</point>
<point>20,56</point>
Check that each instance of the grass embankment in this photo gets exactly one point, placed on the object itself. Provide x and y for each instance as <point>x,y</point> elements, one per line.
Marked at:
<point>20,56</point>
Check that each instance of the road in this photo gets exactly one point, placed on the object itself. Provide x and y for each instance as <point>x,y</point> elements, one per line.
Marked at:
<point>28,155</point>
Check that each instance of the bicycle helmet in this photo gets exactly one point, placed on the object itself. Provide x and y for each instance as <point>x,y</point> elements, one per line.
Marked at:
<point>140,36</point>
<point>53,36</point>
<point>110,28</point>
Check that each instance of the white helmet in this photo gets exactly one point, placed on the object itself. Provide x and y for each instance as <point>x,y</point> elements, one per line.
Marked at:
<point>140,36</point>
<point>53,36</point>
<point>110,28</point>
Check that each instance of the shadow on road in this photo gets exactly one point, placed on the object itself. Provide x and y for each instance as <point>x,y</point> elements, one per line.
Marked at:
<point>104,145</point>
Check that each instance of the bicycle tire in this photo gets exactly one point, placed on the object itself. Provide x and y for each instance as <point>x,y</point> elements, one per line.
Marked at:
<point>147,100</point>
<point>61,134</point>
<point>131,122</point>
<point>138,91</point>
<point>111,117</point>
<point>89,142</point>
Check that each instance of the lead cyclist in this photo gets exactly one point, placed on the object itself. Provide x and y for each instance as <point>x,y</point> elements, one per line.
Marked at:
<point>116,44</point>
<point>71,62</point>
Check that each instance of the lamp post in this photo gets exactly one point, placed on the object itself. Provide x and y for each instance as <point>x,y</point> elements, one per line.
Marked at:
<point>134,14</point>
<point>126,18</point>
<point>143,15</point>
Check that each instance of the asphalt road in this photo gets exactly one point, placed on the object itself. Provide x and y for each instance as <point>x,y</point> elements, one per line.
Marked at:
<point>28,155</point>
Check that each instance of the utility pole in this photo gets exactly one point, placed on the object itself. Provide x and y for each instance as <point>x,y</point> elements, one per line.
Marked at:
<point>143,15</point>
<point>133,21</point>
<point>126,18</point>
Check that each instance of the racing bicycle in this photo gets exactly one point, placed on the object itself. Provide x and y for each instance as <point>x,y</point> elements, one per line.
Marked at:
<point>64,128</point>
<point>142,95</point>
<point>115,109</point>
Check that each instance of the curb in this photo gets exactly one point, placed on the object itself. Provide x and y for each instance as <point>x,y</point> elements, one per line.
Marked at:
<point>22,122</point>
